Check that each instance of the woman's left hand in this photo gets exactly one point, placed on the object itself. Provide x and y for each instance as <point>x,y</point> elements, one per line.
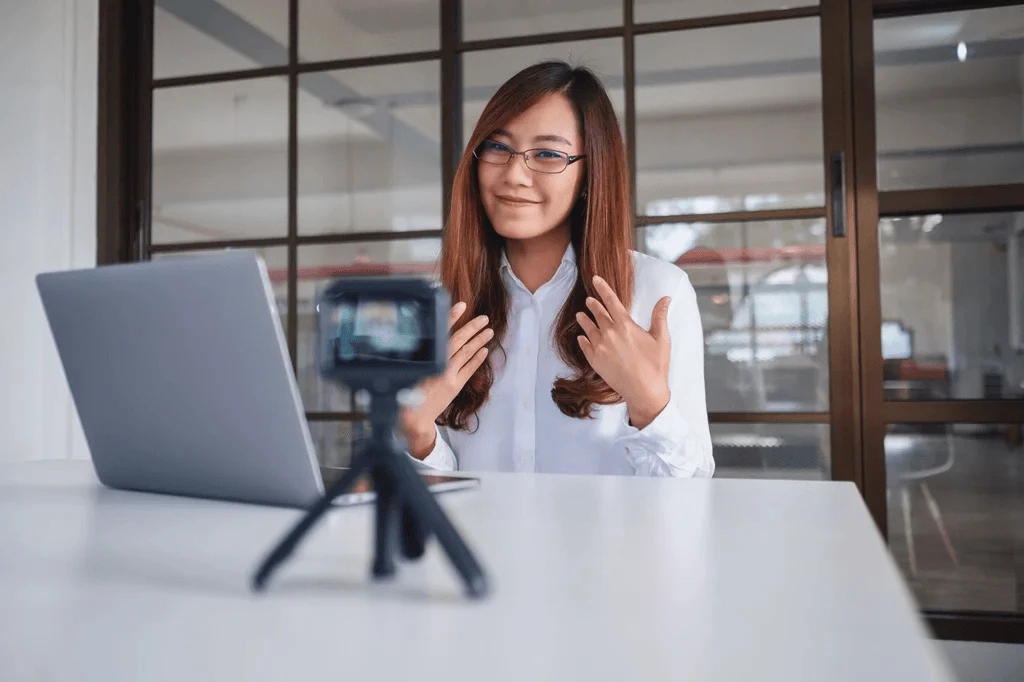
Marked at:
<point>632,360</point>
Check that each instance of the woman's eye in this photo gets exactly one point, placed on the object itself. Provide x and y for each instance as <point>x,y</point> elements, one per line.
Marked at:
<point>494,146</point>
<point>548,154</point>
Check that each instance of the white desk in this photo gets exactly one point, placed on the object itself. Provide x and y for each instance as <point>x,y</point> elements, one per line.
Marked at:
<point>594,578</point>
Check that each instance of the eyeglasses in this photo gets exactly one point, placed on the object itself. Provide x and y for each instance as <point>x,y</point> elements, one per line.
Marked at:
<point>540,160</point>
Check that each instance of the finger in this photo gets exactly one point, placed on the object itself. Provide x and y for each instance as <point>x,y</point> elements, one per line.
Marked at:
<point>470,368</point>
<point>611,302</point>
<point>465,354</point>
<point>455,313</point>
<point>468,331</point>
<point>659,319</point>
<point>589,328</point>
<point>601,316</point>
<point>586,346</point>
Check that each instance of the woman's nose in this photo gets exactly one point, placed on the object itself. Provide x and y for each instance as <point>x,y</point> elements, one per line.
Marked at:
<point>516,171</point>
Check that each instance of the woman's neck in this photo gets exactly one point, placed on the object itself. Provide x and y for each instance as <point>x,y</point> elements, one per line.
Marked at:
<point>535,261</point>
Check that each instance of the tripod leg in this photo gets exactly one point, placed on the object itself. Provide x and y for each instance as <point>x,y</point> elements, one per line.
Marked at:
<point>421,503</point>
<point>284,548</point>
<point>414,538</point>
<point>386,523</point>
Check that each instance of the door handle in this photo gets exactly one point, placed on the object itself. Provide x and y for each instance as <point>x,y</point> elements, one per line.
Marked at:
<point>837,191</point>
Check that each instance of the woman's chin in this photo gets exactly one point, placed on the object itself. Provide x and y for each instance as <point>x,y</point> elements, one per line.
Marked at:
<point>518,230</point>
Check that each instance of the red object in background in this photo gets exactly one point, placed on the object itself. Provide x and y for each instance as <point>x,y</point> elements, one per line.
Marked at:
<point>692,258</point>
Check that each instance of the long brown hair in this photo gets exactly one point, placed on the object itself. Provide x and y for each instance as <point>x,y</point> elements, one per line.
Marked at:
<point>601,233</point>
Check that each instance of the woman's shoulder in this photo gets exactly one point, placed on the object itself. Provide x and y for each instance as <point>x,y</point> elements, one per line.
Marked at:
<point>655,277</point>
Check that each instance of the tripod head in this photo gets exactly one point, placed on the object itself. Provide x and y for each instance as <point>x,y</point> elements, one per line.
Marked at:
<point>382,336</point>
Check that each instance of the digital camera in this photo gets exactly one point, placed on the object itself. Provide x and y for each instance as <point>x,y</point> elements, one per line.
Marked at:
<point>382,334</point>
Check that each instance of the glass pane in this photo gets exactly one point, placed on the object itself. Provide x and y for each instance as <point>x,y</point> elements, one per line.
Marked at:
<point>729,119</point>
<point>483,19</point>
<point>664,10</point>
<point>320,265</point>
<point>790,451</point>
<point>762,290</point>
<point>276,258</point>
<point>952,308</point>
<point>956,513</point>
<point>370,149</point>
<point>484,72</point>
<point>220,161</point>
<point>949,98</point>
<point>336,442</point>
<point>192,38</point>
<point>342,29</point>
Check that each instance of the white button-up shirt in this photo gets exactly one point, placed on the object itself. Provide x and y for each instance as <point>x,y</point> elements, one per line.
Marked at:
<point>520,428</point>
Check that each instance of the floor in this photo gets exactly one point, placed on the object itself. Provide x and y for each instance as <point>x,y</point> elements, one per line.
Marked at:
<point>980,502</point>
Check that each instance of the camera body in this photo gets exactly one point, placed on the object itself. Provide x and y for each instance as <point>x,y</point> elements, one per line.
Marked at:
<point>382,334</point>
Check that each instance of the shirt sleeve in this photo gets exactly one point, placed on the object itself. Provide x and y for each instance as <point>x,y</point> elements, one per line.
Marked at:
<point>442,457</point>
<point>678,441</point>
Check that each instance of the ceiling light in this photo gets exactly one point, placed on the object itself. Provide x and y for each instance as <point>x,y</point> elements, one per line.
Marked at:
<point>961,51</point>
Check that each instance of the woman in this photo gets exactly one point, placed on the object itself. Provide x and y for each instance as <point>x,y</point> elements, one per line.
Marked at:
<point>569,352</point>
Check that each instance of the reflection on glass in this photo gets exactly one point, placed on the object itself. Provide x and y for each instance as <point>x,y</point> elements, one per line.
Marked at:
<point>762,290</point>
<point>220,161</point>
<point>484,72</point>
<point>329,29</point>
<point>191,38</point>
<point>369,155</point>
<point>729,118</point>
<point>276,259</point>
<point>665,10</point>
<point>483,19</point>
<point>336,442</point>
<point>956,513</point>
<point>320,265</point>
<point>952,306</point>
<point>949,98</point>
<point>776,451</point>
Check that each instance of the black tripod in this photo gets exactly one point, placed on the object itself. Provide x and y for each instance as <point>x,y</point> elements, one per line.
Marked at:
<point>406,515</point>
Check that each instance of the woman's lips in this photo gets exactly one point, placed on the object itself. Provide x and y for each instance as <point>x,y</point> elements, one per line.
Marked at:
<point>514,201</point>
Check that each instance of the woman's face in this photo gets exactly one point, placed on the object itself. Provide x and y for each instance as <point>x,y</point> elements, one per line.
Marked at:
<point>522,203</point>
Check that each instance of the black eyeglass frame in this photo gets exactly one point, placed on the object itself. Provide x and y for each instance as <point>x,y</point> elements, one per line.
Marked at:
<point>569,158</point>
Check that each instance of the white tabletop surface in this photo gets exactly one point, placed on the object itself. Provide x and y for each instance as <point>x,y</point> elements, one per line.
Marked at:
<point>594,578</point>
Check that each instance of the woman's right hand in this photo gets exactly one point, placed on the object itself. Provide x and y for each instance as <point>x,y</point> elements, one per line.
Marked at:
<point>467,350</point>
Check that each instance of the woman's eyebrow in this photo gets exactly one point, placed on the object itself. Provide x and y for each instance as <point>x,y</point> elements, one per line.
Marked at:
<point>552,138</point>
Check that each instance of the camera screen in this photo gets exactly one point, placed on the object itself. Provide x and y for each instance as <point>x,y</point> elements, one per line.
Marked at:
<point>381,329</point>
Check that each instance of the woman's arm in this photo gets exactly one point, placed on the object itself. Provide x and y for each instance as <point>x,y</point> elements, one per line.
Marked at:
<point>438,456</point>
<point>677,442</point>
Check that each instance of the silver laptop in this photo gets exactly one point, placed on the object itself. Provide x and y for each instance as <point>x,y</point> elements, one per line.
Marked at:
<point>181,376</point>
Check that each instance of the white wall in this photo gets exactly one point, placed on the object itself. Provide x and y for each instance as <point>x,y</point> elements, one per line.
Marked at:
<point>48,72</point>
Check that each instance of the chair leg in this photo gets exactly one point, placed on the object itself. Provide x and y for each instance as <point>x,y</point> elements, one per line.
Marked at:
<point>933,509</point>
<point>908,530</point>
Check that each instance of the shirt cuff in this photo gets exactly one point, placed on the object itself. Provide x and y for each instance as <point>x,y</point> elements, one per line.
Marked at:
<point>441,457</point>
<point>662,447</point>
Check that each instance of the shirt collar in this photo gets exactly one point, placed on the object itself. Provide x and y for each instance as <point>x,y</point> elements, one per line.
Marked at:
<point>567,265</point>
